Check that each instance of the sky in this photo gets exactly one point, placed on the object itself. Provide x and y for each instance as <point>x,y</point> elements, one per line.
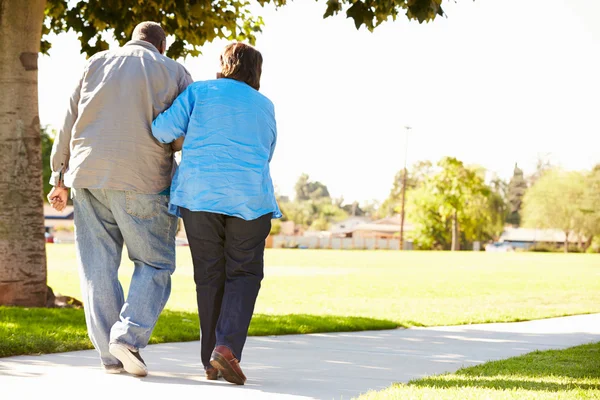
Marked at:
<point>497,82</point>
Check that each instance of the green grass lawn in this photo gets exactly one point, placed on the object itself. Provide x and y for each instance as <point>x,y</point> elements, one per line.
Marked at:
<point>39,330</point>
<point>410,288</point>
<point>322,291</point>
<point>555,374</point>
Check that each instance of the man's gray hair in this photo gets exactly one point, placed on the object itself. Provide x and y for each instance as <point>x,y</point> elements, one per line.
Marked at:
<point>150,32</point>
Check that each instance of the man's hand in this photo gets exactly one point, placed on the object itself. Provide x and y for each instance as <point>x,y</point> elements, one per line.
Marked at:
<point>58,198</point>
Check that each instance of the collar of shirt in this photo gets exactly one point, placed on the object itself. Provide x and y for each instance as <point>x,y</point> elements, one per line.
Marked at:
<point>144,44</point>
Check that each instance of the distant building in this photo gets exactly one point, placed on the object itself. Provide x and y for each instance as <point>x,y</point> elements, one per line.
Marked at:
<point>386,228</point>
<point>522,238</point>
<point>346,227</point>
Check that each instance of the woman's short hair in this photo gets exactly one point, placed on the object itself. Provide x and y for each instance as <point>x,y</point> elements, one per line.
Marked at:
<point>243,63</point>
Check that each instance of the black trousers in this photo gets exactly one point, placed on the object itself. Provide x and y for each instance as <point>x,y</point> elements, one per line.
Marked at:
<point>228,257</point>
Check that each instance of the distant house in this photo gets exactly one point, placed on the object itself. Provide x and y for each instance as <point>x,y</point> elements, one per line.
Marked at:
<point>346,227</point>
<point>386,228</point>
<point>522,238</point>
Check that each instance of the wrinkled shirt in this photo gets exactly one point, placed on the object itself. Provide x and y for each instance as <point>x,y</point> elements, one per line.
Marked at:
<point>230,135</point>
<point>106,139</point>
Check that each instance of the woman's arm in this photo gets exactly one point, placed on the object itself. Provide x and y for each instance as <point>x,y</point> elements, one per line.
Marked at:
<point>274,143</point>
<point>172,124</point>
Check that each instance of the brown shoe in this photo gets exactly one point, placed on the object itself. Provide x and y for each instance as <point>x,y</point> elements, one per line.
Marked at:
<point>223,359</point>
<point>212,374</point>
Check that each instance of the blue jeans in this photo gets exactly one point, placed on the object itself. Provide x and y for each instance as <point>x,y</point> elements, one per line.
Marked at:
<point>104,221</point>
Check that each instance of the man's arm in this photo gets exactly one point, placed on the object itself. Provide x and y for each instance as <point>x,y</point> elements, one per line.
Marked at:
<point>185,81</point>
<point>61,150</point>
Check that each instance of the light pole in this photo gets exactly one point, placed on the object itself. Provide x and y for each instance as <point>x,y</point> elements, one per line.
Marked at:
<point>408,128</point>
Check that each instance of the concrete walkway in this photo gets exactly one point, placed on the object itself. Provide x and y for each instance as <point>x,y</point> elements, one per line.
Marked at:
<point>321,366</point>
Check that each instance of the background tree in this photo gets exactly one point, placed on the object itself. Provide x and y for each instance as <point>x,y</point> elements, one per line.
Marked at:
<point>22,246</point>
<point>455,205</point>
<point>310,190</point>
<point>328,213</point>
<point>275,227</point>
<point>555,202</point>
<point>499,207</point>
<point>313,207</point>
<point>193,23</point>
<point>415,177</point>
<point>516,191</point>
<point>542,165</point>
<point>457,187</point>
<point>431,231</point>
<point>590,207</point>
<point>371,209</point>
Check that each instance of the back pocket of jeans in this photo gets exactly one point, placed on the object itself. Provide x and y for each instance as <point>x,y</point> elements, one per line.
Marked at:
<point>144,206</point>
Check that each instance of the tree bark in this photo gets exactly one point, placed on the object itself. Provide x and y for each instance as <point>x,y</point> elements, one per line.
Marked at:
<point>455,232</point>
<point>22,247</point>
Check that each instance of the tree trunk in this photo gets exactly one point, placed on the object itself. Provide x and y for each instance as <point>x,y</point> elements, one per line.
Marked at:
<point>566,242</point>
<point>588,242</point>
<point>455,232</point>
<point>22,247</point>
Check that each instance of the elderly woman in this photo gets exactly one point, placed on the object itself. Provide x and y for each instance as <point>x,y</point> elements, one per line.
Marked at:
<point>224,193</point>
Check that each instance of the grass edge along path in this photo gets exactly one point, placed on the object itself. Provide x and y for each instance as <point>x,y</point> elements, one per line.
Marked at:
<point>25,331</point>
<point>572,373</point>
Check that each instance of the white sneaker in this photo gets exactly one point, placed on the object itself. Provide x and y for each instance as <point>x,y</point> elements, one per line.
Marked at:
<point>132,361</point>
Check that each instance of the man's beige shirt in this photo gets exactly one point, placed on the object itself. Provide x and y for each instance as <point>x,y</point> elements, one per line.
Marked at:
<point>106,139</point>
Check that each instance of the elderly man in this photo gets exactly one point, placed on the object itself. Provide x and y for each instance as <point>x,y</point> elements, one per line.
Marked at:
<point>120,178</point>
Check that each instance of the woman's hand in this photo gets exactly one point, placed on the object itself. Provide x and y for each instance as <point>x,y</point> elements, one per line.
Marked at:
<point>177,145</point>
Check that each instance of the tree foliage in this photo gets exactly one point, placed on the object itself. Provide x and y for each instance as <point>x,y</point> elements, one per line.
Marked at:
<point>373,13</point>
<point>455,205</point>
<point>314,214</point>
<point>415,177</point>
<point>310,190</point>
<point>556,201</point>
<point>543,164</point>
<point>431,231</point>
<point>313,207</point>
<point>193,23</point>
<point>516,191</point>
<point>590,206</point>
